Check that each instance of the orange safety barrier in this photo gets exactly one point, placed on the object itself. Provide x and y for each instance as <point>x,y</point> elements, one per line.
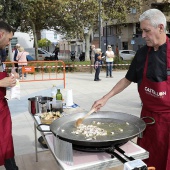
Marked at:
<point>40,70</point>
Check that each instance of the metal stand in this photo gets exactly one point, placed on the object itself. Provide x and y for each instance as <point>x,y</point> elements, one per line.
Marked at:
<point>36,143</point>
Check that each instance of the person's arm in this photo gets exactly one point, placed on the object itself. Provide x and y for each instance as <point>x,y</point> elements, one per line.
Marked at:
<point>8,81</point>
<point>93,53</point>
<point>17,57</point>
<point>99,57</point>
<point>110,54</point>
<point>120,86</point>
<point>113,54</point>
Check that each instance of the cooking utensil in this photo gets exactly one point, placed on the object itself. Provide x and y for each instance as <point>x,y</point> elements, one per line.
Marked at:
<point>34,103</point>
<point>63,127</point>
<point>80,120</point>
<point>132,126</point>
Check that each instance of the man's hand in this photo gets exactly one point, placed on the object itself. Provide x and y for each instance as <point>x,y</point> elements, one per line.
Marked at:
<point>8,81</point>
<point>99,103</point>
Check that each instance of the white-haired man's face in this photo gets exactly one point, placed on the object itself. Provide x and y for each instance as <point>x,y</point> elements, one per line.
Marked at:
<point>153,36</point>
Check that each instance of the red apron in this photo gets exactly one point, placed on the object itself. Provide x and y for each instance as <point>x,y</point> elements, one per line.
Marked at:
<point>6,141</point>
<point>155,97</point>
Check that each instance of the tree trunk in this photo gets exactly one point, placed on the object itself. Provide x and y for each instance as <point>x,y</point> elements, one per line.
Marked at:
<point>35,41</point>
<point>87,52</point>
<point>87,49</point>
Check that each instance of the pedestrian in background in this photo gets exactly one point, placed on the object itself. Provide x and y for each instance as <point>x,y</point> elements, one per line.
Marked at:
<point>22,60</point>
<point>109,61</point>
<point>97,64</point>
<point>56,51</point>
<point>6,140</point>
<point>15,53</point>
<point>93,51</point>
<point>149,69</point>
<point>117,51</point>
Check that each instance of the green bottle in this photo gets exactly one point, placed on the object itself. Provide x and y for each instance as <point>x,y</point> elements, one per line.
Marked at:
<point>59,95</point>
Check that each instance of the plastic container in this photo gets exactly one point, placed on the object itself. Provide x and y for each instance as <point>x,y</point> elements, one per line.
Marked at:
<point>53,92</point>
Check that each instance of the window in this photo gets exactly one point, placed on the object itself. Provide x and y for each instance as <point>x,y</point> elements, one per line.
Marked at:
<point>138,30</point>
<point>133,10</point>
<point>55,35</point>
<point>125,52</point>
<point>40,52</point>
<point>131,52</point>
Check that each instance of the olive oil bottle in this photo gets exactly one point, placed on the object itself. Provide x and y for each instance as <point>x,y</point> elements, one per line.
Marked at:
<point>59,95</point>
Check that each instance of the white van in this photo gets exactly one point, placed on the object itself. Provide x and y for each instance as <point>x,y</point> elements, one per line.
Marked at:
<point>42,54</point>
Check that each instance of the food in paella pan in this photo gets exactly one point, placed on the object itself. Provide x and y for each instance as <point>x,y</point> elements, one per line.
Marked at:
<point>92,131</point>
<point>49,117</point>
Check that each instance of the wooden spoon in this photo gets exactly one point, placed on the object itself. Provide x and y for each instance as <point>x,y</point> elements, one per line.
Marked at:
<point>80,120</point>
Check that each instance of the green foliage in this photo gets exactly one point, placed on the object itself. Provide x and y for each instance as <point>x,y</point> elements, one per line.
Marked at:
<point>70,17</point>
<point>120,64</point>
<point>44,42</point>
<point>77,15</point>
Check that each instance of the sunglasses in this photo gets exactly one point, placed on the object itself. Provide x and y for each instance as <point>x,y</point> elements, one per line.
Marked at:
<point>109,47</point>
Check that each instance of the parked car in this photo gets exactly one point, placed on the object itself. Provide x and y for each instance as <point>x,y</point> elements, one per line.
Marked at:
<point>42,54</point>
<point>126,54</point>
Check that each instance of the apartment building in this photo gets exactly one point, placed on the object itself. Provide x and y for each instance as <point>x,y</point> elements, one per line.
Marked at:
<point>124,36</point>
<point>128,35</point>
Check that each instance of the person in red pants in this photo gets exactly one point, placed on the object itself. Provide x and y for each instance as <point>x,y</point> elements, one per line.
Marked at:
<point>6,140</point>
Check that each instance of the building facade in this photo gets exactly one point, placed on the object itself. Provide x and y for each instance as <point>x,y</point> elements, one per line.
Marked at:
<point>128,35</point>
<point>122,36</point>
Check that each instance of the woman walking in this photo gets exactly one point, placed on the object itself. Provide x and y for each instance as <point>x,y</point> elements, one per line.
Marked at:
<point>22,60</point>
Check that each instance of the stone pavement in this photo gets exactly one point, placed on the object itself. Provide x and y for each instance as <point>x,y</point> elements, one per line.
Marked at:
<point>85,92</point>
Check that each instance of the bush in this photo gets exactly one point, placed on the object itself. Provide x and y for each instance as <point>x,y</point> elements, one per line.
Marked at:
<point>121,64</point>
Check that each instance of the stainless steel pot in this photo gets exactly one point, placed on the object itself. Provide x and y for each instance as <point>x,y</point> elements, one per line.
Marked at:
<point>34,103</point>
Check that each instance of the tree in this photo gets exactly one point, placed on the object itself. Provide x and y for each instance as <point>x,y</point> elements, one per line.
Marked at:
<point>71,17</point>
<point>28,16</point>
<point>10,12</point>
<point>44,42</point>
<point>79,19</point>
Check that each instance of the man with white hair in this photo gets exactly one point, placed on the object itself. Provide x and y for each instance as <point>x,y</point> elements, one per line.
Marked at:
<point>150,69</point>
